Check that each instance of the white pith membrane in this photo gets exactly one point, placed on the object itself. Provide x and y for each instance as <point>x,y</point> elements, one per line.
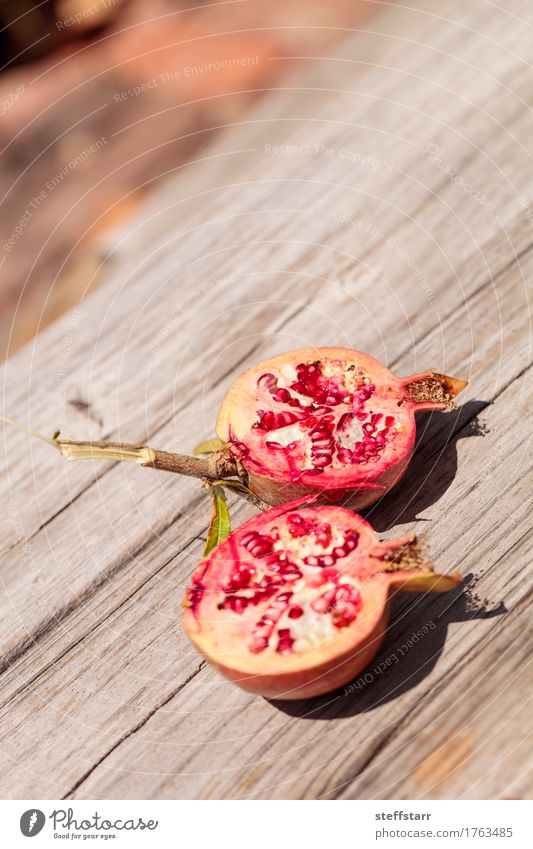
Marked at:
<point>289,587</point>
<point>323,419</point>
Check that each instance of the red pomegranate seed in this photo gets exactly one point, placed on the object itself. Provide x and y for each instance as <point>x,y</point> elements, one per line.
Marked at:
<point>267,381</point>
<point>286,641</point>
<point>240,578</point>
<point>324,601</point>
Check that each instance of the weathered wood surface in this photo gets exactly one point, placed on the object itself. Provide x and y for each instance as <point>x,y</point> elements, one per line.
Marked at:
<point>246,255</point>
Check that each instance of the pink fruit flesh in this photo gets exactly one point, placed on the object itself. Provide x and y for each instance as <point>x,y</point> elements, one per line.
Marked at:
<point>293,604</point>
<point>329,421</point>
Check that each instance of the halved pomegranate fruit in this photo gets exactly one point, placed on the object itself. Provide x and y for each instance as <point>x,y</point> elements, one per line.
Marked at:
<point>294,603</point>
<point>328,421</point>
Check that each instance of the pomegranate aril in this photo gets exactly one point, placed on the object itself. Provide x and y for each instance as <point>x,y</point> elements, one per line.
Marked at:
<point>266,593</point>
<point>235,603</point>
<point>323,535</point>
<point>257,544</point>
<point>284,597</point>
<point>345,615</point>
<point>298,526</point>
<point>295,611</point>
<point>297,531</point>
<point>274,421</point>
<point>324,601</point>
<point>292,574</point>
<point>322,432</point>
<point>285,642</point>
<point>322,442</point>
<point>260,549</point>
<point>351,540</point>
<point>346,605</point>
<point>265,626</point>
<point>267,381</point>
<point>240,579</point>
<point>345,455</point>
<point>266,420</point>
<point>326,560</point>
<point>344,420</point>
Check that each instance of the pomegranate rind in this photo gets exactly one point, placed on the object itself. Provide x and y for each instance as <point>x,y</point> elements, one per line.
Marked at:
<point>337,654</point>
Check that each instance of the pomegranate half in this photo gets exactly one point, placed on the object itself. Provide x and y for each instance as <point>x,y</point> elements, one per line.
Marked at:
<point>329,421</point>
<point>293,603</point>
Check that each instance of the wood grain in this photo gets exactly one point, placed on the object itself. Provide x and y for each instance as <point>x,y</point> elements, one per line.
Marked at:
<point>355,233</point>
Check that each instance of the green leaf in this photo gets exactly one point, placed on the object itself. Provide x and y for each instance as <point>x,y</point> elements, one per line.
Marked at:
<point>210,446</point>
<point>220,526</point>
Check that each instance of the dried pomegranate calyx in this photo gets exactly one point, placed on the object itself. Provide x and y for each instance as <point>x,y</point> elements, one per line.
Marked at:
<point>402,554</point>
<point>435,389</point>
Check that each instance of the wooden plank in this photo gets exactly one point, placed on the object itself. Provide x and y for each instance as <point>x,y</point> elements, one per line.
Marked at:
<point>184,746</point>
<point>65,651</point>
<point>214,742</point>
<point>101,693</point>
<point>109,542</point>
